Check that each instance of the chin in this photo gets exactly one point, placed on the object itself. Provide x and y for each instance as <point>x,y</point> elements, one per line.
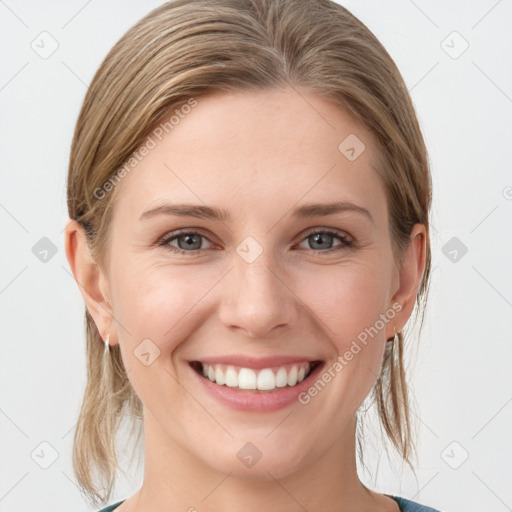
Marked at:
<point>258,460</point>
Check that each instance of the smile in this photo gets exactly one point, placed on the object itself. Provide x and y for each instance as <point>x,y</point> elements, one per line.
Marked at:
<point>263,379</point>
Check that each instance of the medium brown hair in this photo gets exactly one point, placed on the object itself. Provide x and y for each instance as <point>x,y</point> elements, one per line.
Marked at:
<point>189,48</point>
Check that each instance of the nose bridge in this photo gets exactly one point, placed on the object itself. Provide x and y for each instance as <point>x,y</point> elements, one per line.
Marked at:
<point>259,300</point>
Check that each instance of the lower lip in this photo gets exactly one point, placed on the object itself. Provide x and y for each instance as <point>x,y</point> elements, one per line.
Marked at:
<point>258,401</point>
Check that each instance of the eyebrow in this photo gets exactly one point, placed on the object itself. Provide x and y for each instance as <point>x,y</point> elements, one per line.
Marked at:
<point>219,214</point>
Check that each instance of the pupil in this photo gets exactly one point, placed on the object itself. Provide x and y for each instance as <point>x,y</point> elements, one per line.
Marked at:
<point>189,240</point>
<point>318,238</point>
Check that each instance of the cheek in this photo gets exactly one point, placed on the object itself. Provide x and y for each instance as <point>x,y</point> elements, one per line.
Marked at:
<point>347,298</point>
<point>159,302</point>
<point>156,309</point>
<point>349,303</point>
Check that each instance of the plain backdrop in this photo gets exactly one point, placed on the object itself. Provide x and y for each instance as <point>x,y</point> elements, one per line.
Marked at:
<point>456,60</point>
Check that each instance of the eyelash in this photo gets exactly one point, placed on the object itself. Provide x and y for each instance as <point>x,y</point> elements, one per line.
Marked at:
<point>346,241</point>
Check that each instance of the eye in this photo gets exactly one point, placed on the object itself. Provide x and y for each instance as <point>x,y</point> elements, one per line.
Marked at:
<point>188,242</point>
<point>319,239</point>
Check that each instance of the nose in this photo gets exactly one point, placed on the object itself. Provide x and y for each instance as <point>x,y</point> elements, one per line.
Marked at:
<point>258,298</point>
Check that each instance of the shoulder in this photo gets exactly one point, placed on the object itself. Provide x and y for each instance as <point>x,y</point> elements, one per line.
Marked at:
<point>404,504</point>
<point>411,506</point>
<point>111,507</point>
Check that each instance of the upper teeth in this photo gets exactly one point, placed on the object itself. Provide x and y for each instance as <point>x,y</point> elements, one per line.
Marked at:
<point>265,379</point>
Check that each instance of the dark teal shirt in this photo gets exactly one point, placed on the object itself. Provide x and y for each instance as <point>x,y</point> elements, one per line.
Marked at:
<point>405,505</point>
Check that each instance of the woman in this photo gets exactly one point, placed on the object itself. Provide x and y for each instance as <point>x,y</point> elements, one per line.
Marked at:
<point>249,198</point>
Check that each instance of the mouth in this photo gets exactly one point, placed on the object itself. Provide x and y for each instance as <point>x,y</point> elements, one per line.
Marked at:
<point>267,379</point>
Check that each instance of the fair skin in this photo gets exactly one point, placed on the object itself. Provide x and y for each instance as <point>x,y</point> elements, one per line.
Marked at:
<point>258,156</point>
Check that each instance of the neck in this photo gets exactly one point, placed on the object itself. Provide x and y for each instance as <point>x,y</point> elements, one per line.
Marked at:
<point>176,480</point>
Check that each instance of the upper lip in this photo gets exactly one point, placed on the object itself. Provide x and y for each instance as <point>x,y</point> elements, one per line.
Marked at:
<point>256,363</point>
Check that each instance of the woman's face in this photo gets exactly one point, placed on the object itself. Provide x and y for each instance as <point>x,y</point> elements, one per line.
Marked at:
<point>261,288</point>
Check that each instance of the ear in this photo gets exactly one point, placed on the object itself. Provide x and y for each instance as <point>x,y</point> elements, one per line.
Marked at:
<point>91,279</point>
<point>409,278</point>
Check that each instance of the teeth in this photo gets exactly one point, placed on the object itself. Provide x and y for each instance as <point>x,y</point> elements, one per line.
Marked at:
<point>282,378</point>
<point>265,379</point>
<point>247,379</point>
<point>292,376</point>
<point>219,376</point>
<point>231,379</point>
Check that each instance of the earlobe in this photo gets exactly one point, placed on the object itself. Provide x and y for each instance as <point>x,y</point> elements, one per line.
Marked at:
<point>89,277</point>
<point>409,277</point>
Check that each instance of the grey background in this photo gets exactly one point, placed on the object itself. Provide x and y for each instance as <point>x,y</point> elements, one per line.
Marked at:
<point>462,378</point>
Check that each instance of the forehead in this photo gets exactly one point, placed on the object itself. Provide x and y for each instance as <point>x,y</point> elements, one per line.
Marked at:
<point>258,151</point>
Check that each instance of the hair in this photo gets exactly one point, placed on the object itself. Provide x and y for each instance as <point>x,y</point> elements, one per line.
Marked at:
<point>185,49</point>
